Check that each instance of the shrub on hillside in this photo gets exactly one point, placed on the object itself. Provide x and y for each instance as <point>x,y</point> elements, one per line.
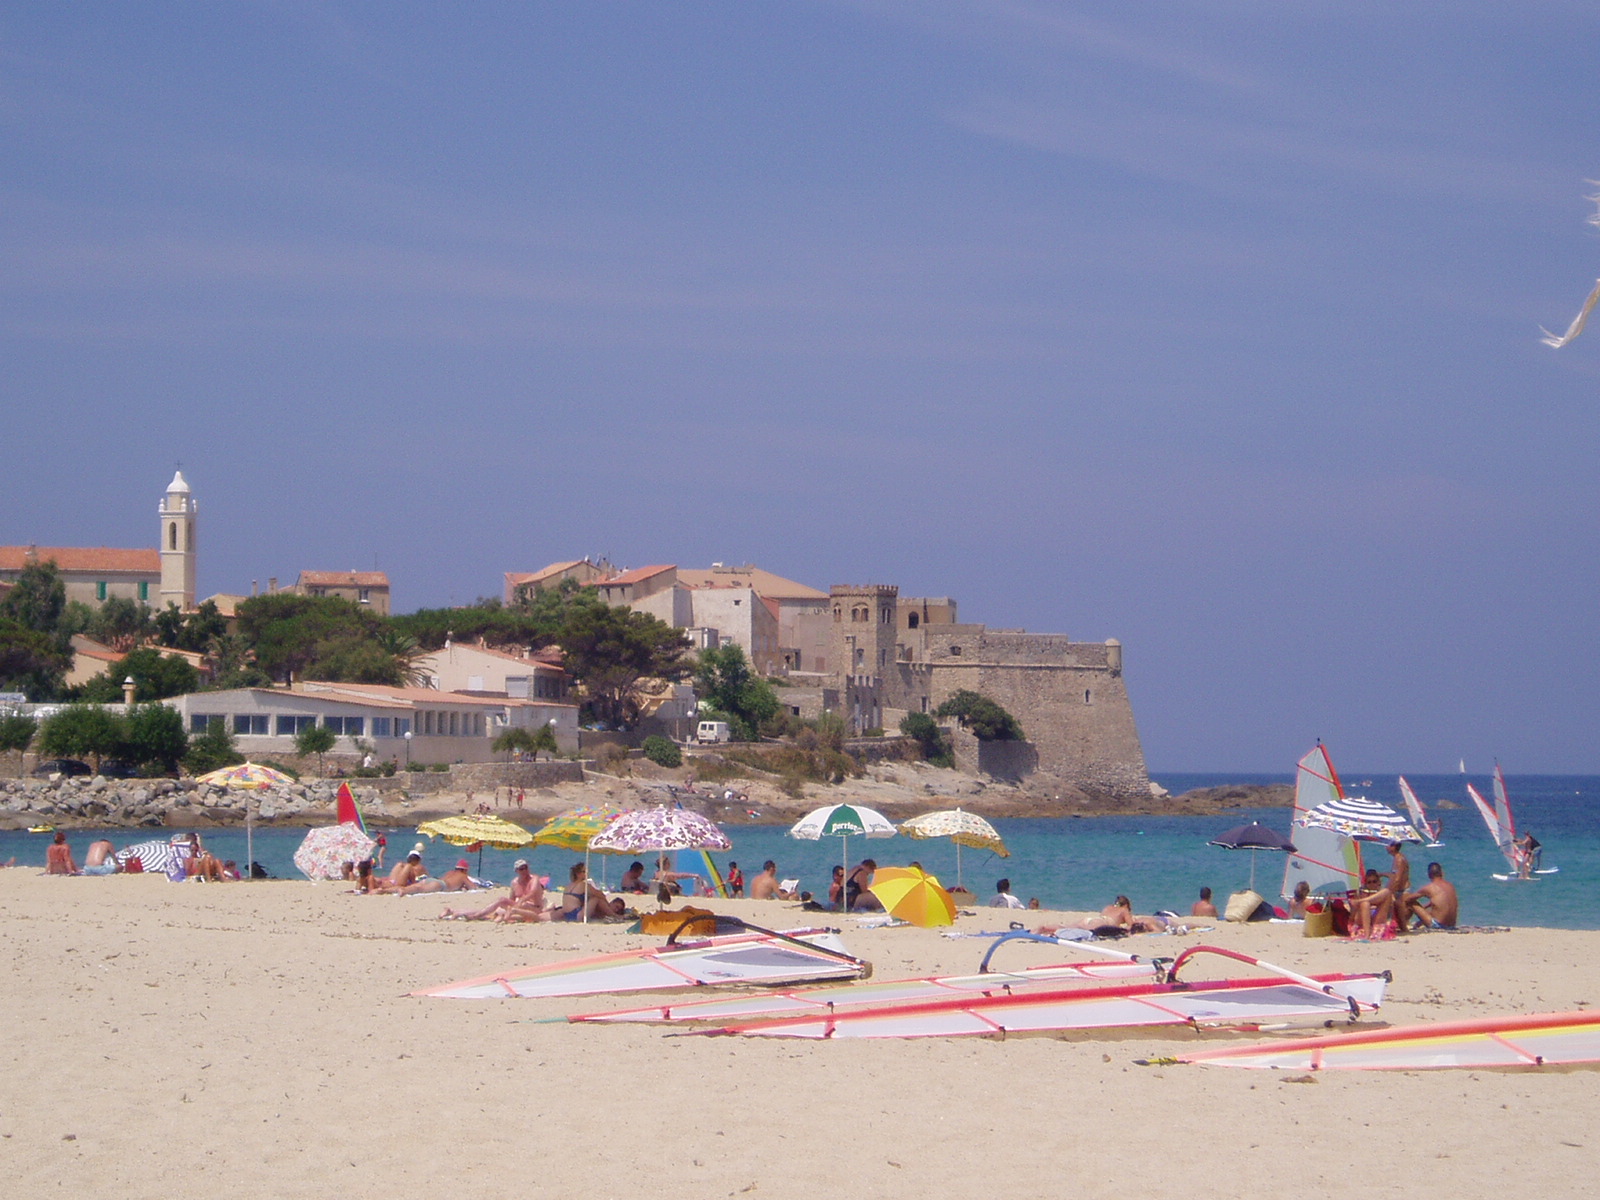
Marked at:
<point>662,752</point>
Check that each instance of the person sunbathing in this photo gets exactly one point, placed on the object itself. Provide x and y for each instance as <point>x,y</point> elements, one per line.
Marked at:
<point>457,879</point>
<point>1435,905</point>
<point>1373,905</point>
<point>582,896</point>
<point>408,870</point>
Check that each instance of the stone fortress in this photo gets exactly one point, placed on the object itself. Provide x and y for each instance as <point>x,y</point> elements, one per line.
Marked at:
<point>895,655</point>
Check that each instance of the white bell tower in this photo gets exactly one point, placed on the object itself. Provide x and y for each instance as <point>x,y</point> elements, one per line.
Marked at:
<point>178,511</point>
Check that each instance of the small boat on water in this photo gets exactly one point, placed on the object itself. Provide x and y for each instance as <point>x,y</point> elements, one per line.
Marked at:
<point>41,828</point>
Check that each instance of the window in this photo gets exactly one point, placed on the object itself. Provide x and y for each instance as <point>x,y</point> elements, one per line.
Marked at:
<point>366,595</point>
<point>100,590</point>
<point>346,726</point>
<point>402,726</point>
<point>144,589</point>
<point>172,536</point>
<point>289,726</point>
<point>200,722</point>
<point>955,651</point>
<point>381,726</point>
<point>1086,695</point>
<point>911,621</point>
<point>252,724</point>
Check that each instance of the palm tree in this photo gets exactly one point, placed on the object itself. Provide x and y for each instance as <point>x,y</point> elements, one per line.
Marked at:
<point>405,650</point>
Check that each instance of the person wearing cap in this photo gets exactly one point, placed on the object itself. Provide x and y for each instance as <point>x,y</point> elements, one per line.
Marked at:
<point>525,903</point>
<point>382,849</point>
<point>457,879</point>
<point>409,869</point>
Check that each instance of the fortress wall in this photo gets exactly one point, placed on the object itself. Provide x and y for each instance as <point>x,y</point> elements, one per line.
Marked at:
<point>1041,679</point>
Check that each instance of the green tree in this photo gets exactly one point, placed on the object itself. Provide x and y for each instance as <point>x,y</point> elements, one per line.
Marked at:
<point>354,658</point>
<point>120,623</point>
<point>290,634</point>
<point>925,731</point>
<point>155,677</point>
<point>38,598</point>
<point>986,719</point>
<point>315,739</point>
<point>544,738</point>
<point>154,739</point>
<point>513,741</point>
<point>609,650</point>
<point>662,751</point>
<point>233,665</point>
<point>725,682</point>
<point>82,731</point>
<point>31,662</point>
<point>17,733</point>
<point>211,748</point>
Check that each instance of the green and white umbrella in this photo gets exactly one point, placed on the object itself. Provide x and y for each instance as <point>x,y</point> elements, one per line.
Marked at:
<point>843,821</point>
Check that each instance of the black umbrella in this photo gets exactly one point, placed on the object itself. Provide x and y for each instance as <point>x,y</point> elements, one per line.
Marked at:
<point>1253,837</point>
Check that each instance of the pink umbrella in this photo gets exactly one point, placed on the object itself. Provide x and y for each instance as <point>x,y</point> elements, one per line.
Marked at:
<point>661,828</point>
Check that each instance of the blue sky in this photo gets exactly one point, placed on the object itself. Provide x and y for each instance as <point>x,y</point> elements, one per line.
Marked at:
<point>1211,327</point>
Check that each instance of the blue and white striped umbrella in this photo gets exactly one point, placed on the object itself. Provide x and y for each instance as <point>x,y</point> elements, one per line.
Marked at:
<point>155,856</point>
<point>1362,819</point>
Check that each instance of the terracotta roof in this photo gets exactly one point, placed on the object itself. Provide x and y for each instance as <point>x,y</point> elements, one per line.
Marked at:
<point>529,660</point>
<point>343,579</point>
<point>83,558</point>
<point>518,577</point>
<point>637,575</point>
<point>763,583</point>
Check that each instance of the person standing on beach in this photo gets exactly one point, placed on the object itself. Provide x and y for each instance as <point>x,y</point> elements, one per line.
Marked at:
<point>58,858</point>
<point>735,881</point>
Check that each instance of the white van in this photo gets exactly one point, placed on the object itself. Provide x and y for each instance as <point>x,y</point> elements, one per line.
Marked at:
<point>712,731</point>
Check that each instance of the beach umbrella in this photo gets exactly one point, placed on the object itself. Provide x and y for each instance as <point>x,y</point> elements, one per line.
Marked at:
<point>157,856</point>
<point>325,850</point>
<point>1252,837</point>
<point>911,894</point>
<point>247,776</point>
<point>661,828</point>
<point>962,828</point>
<point>477,830</point>
<point>842,821</point>
<point>1362,820</point>
<point>576,828</point>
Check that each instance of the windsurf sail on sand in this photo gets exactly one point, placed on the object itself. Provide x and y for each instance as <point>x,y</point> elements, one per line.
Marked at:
<point>1283,997</point>
<point>756,956</point>
<point>1540,1039</point>
<point>1325,858</point>
<point>346,811</point>
<point>897,991</point>
<point>1418,814</point>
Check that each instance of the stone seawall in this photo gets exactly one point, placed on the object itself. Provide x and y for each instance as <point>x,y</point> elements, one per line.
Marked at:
<point>79,801</point>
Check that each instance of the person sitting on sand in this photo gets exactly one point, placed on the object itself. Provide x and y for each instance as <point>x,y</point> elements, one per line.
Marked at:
<point>101,859</point>
<point>58,858</point>
<point>670,879</point>
<point>527,891</point>
<point>230,871</point>
<point>1203,906</point>
<point>765,885</point>
<point>857,896</point>
<point>1435,904</point>
<point>632,880</point>
<point>457,879</point>
<point>1002,895</point>
<point>1297,906</point>
<point>836,890</point>
<point>581,894</point>
<point>1372,904</point>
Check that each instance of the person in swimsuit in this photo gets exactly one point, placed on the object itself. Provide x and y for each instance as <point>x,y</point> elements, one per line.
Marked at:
<point>1203,906</point>
<point>58,858</point>
<point>457,879</point>
<point>1435,905</point>
<point>527,891</point>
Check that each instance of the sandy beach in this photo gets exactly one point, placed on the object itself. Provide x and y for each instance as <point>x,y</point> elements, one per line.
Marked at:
<point>177,1039</point>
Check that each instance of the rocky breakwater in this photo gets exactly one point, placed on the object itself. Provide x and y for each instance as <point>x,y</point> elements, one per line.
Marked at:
<point>76,802</point>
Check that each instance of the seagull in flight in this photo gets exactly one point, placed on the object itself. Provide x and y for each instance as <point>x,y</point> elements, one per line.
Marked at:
<point>1554,341</point>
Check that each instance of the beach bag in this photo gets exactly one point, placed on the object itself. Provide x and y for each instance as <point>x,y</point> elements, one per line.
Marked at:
<point>134,866</point>
<point>664,923</point>
<point>1247,906</point>
<point>1319,922</point>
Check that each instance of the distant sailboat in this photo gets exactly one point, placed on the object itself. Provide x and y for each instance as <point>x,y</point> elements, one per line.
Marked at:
<point>1419,816</point>
<point>1461,766</point>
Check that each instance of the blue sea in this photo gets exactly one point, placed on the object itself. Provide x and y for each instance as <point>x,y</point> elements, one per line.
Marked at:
<point>1080,864</point>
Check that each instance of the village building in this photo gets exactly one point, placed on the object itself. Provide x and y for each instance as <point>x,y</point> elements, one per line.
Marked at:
<point>403,724</point>
<point>368,589</point>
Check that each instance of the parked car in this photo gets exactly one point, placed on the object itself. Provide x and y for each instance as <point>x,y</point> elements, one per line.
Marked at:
<point>62,766</point>
<point>116,768</point>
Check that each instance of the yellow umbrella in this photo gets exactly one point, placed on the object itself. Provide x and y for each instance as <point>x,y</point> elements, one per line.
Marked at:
<point>574,830</point>
<point>476,829</point>
<point>251,777</point>
<point>962,828</point>
<point>911,894</point>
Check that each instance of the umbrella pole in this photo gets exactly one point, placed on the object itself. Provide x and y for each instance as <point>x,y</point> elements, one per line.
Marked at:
<point>249,842</point>
<point>1252,868</point>
<point>958,867</point>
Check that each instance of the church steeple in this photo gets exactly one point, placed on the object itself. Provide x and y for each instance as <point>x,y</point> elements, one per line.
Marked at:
<point>178,513</point>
